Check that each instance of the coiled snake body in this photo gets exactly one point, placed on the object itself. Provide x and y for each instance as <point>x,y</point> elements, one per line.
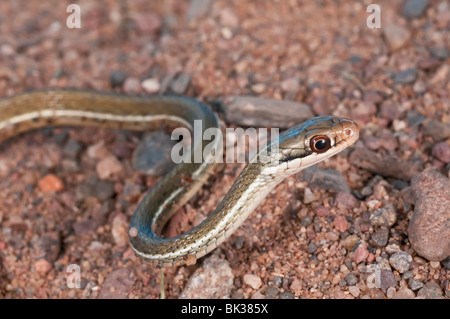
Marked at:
<point>297,148</point>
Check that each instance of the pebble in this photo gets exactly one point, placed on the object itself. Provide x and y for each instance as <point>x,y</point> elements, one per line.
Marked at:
<point>181,83</point>
<point>287,295</point>
<point>213,280</point>
<point>363,111</point>
<point>384,216</point>
<point>117,78</point>
<point>98,150</point>
<point>327,179</point>
<point>131,192</point>
<point>312,248</point>
<point>389,110</point>
<point>42,267</point>
<point>414,8</point>
<point>50,183</point>
<point>46,247</point>
<point>354,291</point>
<point>119,230</point>
<point>380,237</point>
<point>322,211</point>
<point>253,281</point>
<point>148,22</point>
<point>322,106</point>
<point>306,221</point>
<point>132,85</point>
<point>151,85</point>
<point>361,253</point>
<point>396,36</point>
<point>308,196</point>
<point>351,279</point>
<point>72,148</point>
<point>415,284</point>
<point>271,292</point>
<point>197,8</point>
<point>428,230</point>
<point>404,293</point>
<point>400,261</point>
<point>428,63</point>
<point>228,18</point>
<point>437,130</point>
<point>118,284</point>
<point>152,155</point>
<point>441,151</point>
<point>383,165</point>
<point>350,241</point>
<point>340,223</point>
<point>346,200</point>
<point>431,290</point>
<point>441,53</point>
<point>296,286</point>
<point>446,263</point>
<point>387,279</point>
<point>407,76</point>
<point>261,112</point>
<point>108,167</point>
<point>104,189</point>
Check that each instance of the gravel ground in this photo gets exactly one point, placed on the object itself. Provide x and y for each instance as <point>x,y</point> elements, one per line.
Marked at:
<point>372,222</point>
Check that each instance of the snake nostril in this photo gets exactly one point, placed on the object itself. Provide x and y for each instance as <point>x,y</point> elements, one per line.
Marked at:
<point>348,132</point>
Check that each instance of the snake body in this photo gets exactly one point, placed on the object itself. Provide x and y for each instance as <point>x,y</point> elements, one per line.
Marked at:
<point>297,148</point>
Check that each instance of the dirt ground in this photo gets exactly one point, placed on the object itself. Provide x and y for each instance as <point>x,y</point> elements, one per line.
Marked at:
<point>59,207</point>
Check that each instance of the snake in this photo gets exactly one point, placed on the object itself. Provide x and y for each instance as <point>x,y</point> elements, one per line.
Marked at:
<point>295,149</point>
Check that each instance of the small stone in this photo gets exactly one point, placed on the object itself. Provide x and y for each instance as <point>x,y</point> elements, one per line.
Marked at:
<point>108,167</point>
<point>414,8</point>
<point>50,183</point>
<point>117,78</point>
<point>287,295</point>
<point>151,85</point>
<point>132,85</point>
<point>296,286</point>
<point>197,8</point>
<point>119,230</point>
<point>446,263</point>
<point>312,248</point>
<point>441,53</point>
<point>415,284</point>
<point>419,87</point>
<point>428,229</point>
<point>407,76</point>
<point>437,130</point>
<point>387,279</point>
<point>354,291</point>
<point>327,179</point>
<point>253,281</point>
<point>380,237</point>
<point>271,292</point>
<point>213,280</point>
<point>148,22</point>
<point>291,85</point>
<point>431,290</point>
<point>42,267</point>
<point>118,284</point>
<point>396,36</point>
<point>363,111</point>
<point>228,18</point>
<point>389,110</point>
<point>46,247</point>
<point>404,293</point>
<point>98,150</point>
<point>349,242</point>
<point>131,192</point>
<point>346,200</point>
<point>152,155</point>
<point>442,152</point>
<point>104,190</point>
<point>340,223</point>
<point>321,211</point>
<point>181,83</point>
<point>72,148</point>
<point>428,64</point>
<point>361,253</point>
<point>384,216</point>
<point>351,279</point>
<point>400,261</point>
<point>261,112</point>
<point>308,196</point>
<point>322,106</point>
<point>306,221</point>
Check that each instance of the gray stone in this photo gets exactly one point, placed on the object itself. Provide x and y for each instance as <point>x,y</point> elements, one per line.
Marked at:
<point>415,284</point>
<point>214,279</point>
<point>407,76</point>
<point>286,295</point>
<point>72,148</point>
<point>380,237</point>
<point>181,83</point>
<point>384,216</point>
<point>118,284</point>
<point>351,279</point>
<point>260,112</point>
<point>414,8</point>
<point>117,78</point>
<point>437,130</point>
<point>441,53</point>
<point>400,261</point>
<point>429,228</point>
<point>431,290</point>
<point>327,179</point>
<point>387,279</point>
<point>152,155</point>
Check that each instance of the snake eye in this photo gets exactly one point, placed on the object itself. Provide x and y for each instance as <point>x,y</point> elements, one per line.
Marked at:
<point>320,143</point>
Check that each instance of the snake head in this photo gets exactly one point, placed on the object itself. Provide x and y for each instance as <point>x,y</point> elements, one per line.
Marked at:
<point>311,142</point>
